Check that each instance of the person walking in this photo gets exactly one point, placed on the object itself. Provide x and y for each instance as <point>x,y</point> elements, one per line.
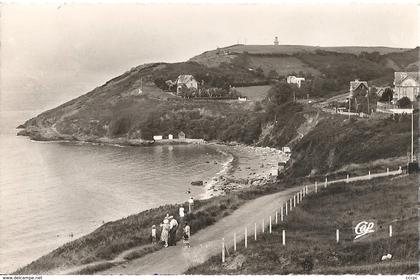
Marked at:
<point>181,213</point>
<point>153,234</point>
<point>186,235</point>
<point>173,226</point>
<point>190,205</point>
<point>164,236</point>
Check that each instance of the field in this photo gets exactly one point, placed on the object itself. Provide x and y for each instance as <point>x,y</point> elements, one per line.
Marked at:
<point>291,49</point>
<point>282,65</point>
<point>254,93</point>
<point>311,246</point>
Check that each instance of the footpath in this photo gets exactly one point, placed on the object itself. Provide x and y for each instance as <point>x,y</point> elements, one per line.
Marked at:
<point>207,242</point>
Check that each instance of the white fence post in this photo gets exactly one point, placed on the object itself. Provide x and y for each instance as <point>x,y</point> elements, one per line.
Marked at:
<point>370,177</point>
<point>348,178</point>
<point>281,213</point>
<point>294,201</point>
<point>285,208</point>
<point>290,204</point>
<point>306,190</point>
<point>234,241</point>
<point>316,187</point>
<point>390,230</point>
<point>262,226</point>
<point>223,250</point>
<point>284,237</point>
<point>255,231</point>
<point>337,235</point>
<point>326,182</point>
<point>277,214</point>
<point>387,170</point>
<point>246,237</point>
<point>270,224</point>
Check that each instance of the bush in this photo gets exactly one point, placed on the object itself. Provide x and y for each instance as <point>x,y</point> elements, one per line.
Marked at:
<point>387,95</point>
<point>404,102</point>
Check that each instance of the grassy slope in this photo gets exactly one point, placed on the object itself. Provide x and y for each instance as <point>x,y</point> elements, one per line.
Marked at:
<point>310,234</point>
<point>336,142</point>
<point>282,65</point>
<point>291,49</point>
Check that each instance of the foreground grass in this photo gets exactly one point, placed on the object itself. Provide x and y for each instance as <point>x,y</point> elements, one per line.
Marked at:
<point>310,234</point>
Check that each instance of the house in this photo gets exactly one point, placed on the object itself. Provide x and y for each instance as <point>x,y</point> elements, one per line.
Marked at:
<point>186,82</point>
<point>295,80</point>
<point>286,150</point>
<point>242,98</point>
<point>358,87</point>
<point>406,84</point>
<point>170,137</point>
<point>157,137</point>
<point>361,99</point>
<point>181,135</point>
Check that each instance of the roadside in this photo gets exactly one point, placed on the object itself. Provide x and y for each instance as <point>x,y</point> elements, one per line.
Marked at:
<point>311,246</point>
<point>207,242</point>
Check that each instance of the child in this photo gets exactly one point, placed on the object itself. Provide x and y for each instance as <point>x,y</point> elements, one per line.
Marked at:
<point>153,234</point>
<point>187,235</point>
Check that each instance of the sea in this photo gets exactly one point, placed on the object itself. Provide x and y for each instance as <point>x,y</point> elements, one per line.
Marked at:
<point>54,192</point>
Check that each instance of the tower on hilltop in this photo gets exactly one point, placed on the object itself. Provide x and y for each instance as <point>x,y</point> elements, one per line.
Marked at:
<point>276,41</point>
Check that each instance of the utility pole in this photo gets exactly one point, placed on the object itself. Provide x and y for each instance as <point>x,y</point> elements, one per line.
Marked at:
<point>412,133</point>
<point>368,102</point>
<point>349,106</point>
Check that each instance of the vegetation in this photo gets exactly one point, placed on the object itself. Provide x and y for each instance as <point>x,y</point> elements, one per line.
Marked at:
<point>336,142</point>
<point>404,102</point>
<point>387,95</point>
<point>311,248</point>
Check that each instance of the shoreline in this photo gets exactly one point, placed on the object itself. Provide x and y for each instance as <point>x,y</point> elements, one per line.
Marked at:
<point>247,165</point>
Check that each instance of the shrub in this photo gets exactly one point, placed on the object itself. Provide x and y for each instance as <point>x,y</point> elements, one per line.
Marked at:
<point>404,102</point>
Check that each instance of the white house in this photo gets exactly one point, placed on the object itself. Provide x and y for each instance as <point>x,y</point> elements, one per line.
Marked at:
<point>187,81</point>
<point>170,137</point>
<point>157,137</point>
<point>407,84</point>
<point>286,150</point>
<point>295,80</point>
<point>242,98</point>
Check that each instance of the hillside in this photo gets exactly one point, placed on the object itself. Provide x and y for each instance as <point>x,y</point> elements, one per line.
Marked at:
<point>138,104</point>
<point>337,145</point>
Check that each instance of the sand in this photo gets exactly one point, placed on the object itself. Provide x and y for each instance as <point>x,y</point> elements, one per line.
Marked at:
<point>247,166</point>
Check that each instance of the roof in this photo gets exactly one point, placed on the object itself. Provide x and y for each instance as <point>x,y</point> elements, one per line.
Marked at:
<point>399,77</point>
<point>183,79</point>
<point>356,84</point>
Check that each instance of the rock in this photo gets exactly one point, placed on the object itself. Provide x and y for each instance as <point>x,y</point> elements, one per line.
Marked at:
<point>197,183</point>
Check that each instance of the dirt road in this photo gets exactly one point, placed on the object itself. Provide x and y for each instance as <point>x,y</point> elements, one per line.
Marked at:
<point>207,242</point>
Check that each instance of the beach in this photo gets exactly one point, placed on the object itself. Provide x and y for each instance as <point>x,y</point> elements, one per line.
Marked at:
<point>247,166</point>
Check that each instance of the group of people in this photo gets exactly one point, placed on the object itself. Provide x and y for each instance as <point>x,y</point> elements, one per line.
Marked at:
<point>169,229</point>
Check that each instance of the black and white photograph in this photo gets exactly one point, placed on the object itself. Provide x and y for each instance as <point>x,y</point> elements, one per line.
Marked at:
<point>220,138</point>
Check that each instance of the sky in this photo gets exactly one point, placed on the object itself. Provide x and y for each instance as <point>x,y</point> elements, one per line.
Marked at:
<point>53,53</point>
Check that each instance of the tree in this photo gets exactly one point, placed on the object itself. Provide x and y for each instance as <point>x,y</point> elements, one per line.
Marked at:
<point>260,72</point>
<point>280,93</point>
<point>387,95</point>
<point>273,74</point>
<point>404,102</point>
